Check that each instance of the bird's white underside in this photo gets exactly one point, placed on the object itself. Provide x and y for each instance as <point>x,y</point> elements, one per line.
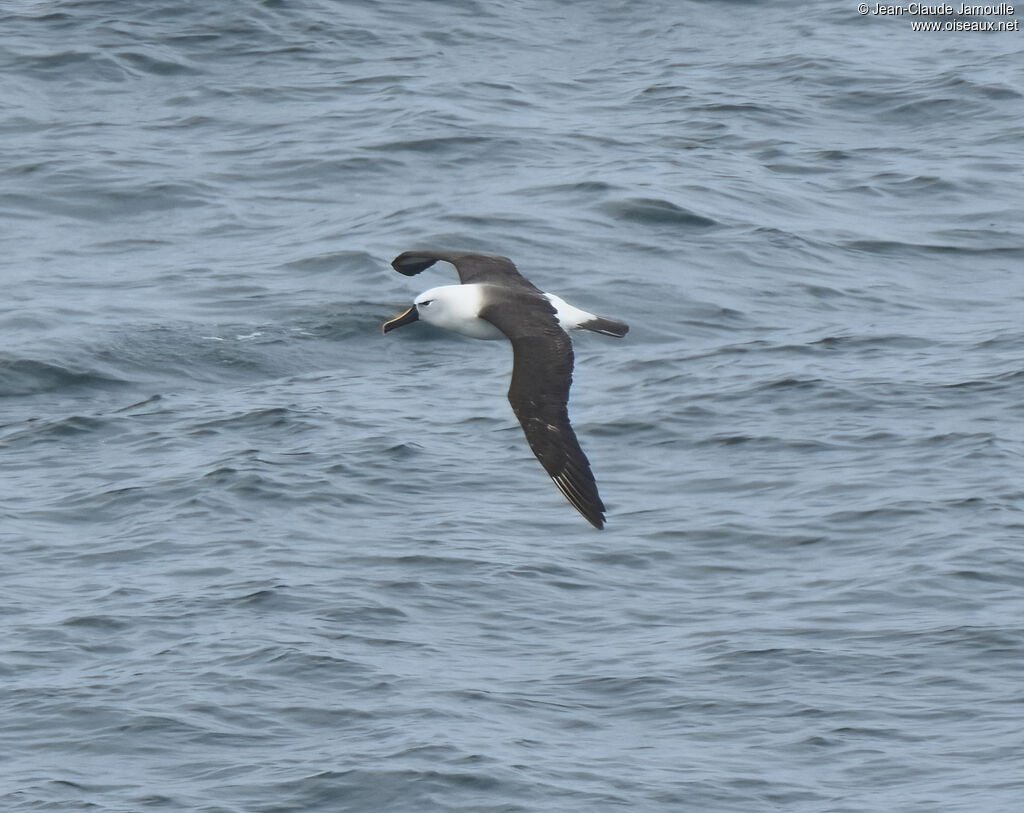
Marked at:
<point>457,308</point>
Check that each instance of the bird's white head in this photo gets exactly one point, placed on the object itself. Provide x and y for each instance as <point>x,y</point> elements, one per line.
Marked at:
<point>448,306</point>
<point>452,307</point>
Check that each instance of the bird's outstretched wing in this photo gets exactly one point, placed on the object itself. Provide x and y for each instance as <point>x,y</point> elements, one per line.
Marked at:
<point>471,267</point>
<point>539,394</point>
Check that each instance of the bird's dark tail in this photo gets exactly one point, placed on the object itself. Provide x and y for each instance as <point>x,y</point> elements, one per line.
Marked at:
<point>602,324</point>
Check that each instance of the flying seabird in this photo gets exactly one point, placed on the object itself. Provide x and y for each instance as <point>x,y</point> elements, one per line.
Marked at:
<point>495,301</point>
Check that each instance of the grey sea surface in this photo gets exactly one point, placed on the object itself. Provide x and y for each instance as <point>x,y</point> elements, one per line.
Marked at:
<point>257,557</point>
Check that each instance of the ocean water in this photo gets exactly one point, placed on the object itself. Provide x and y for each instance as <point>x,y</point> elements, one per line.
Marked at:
<point>258,557</point>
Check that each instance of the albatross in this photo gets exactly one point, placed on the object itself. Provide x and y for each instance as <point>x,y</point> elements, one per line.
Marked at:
<point>495,301</point>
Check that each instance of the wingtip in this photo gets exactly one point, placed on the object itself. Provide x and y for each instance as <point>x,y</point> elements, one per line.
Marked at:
<point>592,509</point>
<point>597,520</point>
<point>411,263</point>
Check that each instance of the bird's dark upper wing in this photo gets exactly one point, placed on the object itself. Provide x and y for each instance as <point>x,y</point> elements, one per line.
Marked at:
<point>471,267</point>
<point>539,394</point>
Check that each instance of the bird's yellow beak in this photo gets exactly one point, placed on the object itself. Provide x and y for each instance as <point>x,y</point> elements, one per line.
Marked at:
<point>411,315</point>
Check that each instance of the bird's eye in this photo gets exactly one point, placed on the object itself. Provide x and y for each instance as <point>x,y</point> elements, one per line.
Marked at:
<point>425,302</point>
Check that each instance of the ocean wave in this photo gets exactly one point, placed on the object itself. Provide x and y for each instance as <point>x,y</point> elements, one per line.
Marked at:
<point>31,377</point>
